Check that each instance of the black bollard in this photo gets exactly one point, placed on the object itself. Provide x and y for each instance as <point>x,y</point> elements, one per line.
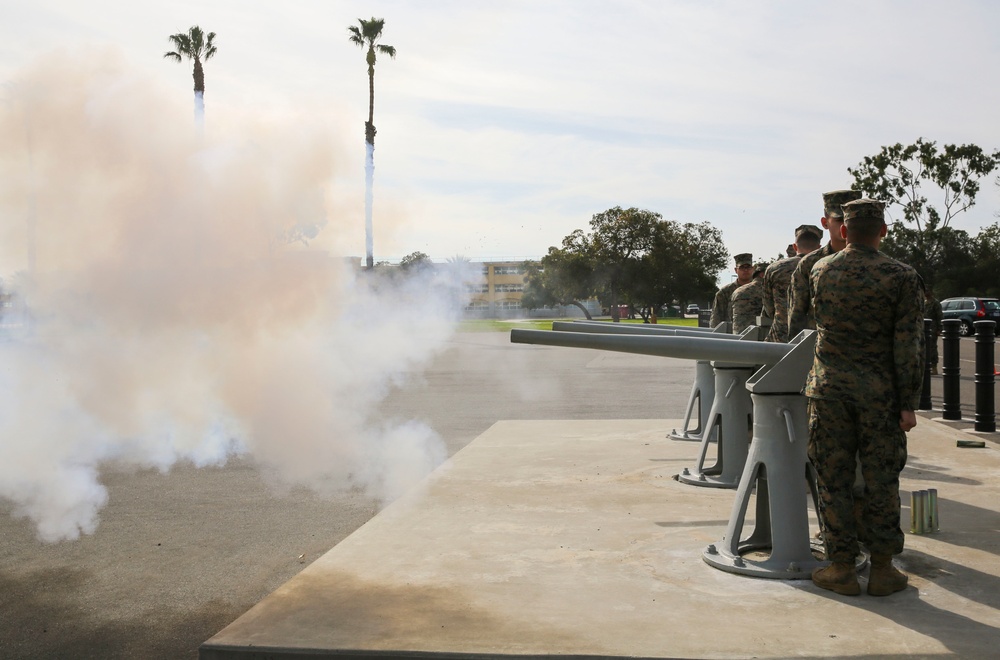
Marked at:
<point>986,419</point>
<point>951,406</point>
<point>925,391</point>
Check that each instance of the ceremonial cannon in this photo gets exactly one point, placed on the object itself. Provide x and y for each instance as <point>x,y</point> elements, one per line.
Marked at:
<point>652,328</point>
<point>777,467</point>
<point>727,421</point>
<point>702,391</point>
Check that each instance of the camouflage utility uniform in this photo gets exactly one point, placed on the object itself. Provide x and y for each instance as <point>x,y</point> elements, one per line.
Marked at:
<point>800,312</point>
<point>747,302</point>
<point>867,369</point>
<point>777,278</point>
<point>721,307</point>
<point>722,310</point>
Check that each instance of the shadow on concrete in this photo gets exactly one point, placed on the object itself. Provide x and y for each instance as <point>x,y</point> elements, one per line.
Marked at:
<point>918,471</point>
<point>695,523</point>
<point>963,525</point>
<point>394,615</point>
<point>42,618</point>
<point>960,634</point>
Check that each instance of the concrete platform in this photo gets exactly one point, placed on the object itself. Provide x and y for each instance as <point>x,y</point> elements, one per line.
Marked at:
<point>556,538</point>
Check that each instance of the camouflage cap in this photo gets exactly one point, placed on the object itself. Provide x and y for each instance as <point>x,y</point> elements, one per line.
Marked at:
<point>745,258</point>
<point>832,201</point>
<point>759,268</point>
<point>864,209</point>
<point>809,229</point>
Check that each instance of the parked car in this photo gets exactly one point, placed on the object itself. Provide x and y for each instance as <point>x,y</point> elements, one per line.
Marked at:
<point>693,309</point>
<point>970,310</point>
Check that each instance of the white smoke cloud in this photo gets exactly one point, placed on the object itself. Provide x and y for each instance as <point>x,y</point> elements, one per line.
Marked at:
<point>176,314</point>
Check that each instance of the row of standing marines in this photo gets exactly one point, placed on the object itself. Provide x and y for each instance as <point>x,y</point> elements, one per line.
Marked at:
<point>868,313</point>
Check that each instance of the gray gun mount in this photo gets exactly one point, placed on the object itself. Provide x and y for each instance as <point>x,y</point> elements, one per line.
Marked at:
<point>780,545</point>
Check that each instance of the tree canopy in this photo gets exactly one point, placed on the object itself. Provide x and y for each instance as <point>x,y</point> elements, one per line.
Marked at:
<point>415,261</point>
<point>923,237</point>
<point>631,256</point>
<point>194,45</point>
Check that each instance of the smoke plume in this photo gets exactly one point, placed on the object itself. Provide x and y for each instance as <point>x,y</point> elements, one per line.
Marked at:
<point>174,312</point>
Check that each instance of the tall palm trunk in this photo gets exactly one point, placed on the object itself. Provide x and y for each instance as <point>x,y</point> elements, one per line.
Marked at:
<point>199,94</point>
<point>370,163</point>
<point>367,36</point>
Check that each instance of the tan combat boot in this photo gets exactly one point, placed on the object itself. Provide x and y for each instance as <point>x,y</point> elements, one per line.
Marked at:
<point>839,577</point>
<point>883,578</point>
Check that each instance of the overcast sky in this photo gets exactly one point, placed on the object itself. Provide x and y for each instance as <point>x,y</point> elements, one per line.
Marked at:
<point>505,125</point>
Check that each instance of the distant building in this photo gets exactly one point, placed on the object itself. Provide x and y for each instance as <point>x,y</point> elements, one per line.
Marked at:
<point>499,294</point>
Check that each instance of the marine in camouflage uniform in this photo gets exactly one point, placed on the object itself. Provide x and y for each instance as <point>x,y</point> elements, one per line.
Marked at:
<point>863,388</point>
<point>932,311</point>
<point>748,301</point>
<point>778,277</point>
<point>800,314</point>
<point>721,307</point>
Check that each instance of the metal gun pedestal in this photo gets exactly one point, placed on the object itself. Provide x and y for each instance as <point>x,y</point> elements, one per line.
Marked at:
<point>778,469</point>
<point>728,426</point>
<point>702,394</point>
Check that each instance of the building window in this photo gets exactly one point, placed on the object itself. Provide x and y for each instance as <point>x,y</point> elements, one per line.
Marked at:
<point>509,304</point>
<point>508,288</point>
<point>477,306</point>
<point>507,270</point>
<point>478,288</point>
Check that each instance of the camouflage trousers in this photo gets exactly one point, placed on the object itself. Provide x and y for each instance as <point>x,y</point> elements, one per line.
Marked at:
<point>841,434</point>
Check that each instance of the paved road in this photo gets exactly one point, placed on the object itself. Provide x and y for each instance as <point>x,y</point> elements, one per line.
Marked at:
<point>179,556</point>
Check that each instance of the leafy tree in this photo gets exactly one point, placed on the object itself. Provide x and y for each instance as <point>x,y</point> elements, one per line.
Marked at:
<point>194,45</point>
<point>620,238</point>
<point>973,267</point>
<point>367,36</point>
<point>985,255</point>
<point>683,263</point>
<point>631,256</point>
<point>564,276</point>
<point>415,261</point>
<point>895,176</point>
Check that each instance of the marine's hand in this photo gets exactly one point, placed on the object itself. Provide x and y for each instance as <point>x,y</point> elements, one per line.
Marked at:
<point>907,420</point>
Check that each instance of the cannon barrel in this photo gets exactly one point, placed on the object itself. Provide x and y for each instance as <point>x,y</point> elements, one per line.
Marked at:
<point>634,329</point>
<point>690,348</point>
<point>644,326</point>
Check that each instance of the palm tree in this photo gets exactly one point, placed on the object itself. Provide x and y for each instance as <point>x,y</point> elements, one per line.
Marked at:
<point>368,36</point>
<point>197,46</point>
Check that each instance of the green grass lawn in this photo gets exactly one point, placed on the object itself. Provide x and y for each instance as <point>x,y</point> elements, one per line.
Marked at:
<point>492,325</point>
